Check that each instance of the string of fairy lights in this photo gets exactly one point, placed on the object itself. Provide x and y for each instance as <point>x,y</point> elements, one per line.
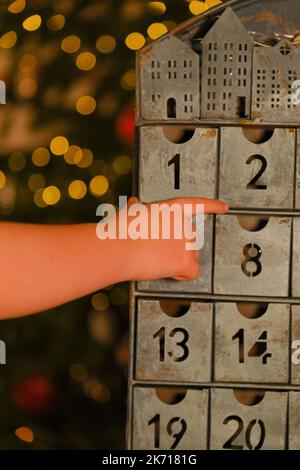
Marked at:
<point>85,60</point>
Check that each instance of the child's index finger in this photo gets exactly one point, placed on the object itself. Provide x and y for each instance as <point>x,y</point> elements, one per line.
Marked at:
<point>211,206</point>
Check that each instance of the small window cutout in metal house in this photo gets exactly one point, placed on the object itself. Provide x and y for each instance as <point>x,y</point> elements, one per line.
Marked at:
<point>169,70</point>
<point>276,75</point>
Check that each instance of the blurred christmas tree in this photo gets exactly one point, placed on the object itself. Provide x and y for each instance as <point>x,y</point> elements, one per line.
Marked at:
<point>66,146</point>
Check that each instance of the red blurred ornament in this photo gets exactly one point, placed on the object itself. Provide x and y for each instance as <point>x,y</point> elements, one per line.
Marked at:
<point>125,126</point>
<point>34,395</point>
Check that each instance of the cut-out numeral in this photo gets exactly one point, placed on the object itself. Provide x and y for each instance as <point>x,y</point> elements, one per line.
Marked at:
<point>161,335</point>
<point>240,426</point>
<point>259,348</point>
<point>176,162</point>
<point>252,254</point>
<point>253,183</point>
<point>180,425</point>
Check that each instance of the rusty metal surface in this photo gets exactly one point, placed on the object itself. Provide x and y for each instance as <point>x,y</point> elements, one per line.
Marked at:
<point>198,164</point>
<point>252,349</point>
<point>294,421</point>
<point>191,412</point>
<point>252,262</point>
<point>241,161</point>
<point>182,349</point>
<point>296,258</point>
<point>262,424</point>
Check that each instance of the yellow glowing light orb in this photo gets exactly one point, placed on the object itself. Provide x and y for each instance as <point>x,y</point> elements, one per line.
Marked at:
<point>59,145</point>
<point>24,434</point>
<point>156,30</point>
<point>8,40</point>
<point>70,44</point>
<point>197,7</point>
<point>17,6</point>
<point>2,180</point>
<point>106,44</point>
<point>86,105</point>
<point>99,185</point>
<point>51,195</point>
<point>212,3</point>
<point>73,155</point>
<point>17,161</point>
<point>40,156</point>
<point>86,159</point>
<point>122,165</point>
<point>135,41</point>
<point>86,61</point>
<point>118,296</point>
<point>38,198</point>
<point>32,23</point>
<point>100,301</point>
<point>77,189</point>
<point>56,22</point>
<point>156,8</point>
<point>36,181</point>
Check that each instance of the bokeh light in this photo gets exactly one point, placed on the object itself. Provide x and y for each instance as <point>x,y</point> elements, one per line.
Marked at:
<point>56,22</point>
<point>86,159</point>
<point>128,80</point>
<point>77,189</point>
<point>100,301</point>
<point>86,61</point>
<point>78,372</point>
<point>99,185</point>
<point>135,41</point>
<point>86,105</point>
<point>32,23</point>
<point>122,165</point>
<point>2,180</point>
<point>8,40</point>
<point>40,156</point>
<point>51,195</point>
<point>106,44</point>
<point>59,145</point>
<point>36,181</point>
<point>17,161</point>
<point>17,6</point>
<point>198,7</point>
<point>156,8</point>
<point>73,155</point>
<point>25,434</point>
<point>156,30</point>
<point>70,44</point>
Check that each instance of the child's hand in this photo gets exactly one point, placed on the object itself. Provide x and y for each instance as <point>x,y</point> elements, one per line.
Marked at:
<point>156,259</point>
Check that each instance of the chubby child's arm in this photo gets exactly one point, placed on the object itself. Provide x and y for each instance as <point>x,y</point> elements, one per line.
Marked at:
<point>43,266</point>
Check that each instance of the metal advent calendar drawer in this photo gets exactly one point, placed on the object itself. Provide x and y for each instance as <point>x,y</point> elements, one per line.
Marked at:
<point>173,348</point>
<point>251,262</point>
<point>259,424</point>
<point>181,426</point>
<point>252,175</point>
<point>202,284</point>
<point>252,349</point>
<point>168,170</point>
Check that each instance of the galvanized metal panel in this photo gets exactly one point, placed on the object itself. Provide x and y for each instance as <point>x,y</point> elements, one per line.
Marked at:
<point>169,70</point>
<point>257,175</point>
<point>276,71</point>
<point>191,413</point>
<point>295,345</point>
<point>185,352</point>
<point>201,284</point>
<point>264,255</point>
<point>197,165</point>
<point>294,420</point>
<point>252,349</point>
<point>297,186</point>
<point>226,70</point>
<point>296,258</point>
<point>236,424</point>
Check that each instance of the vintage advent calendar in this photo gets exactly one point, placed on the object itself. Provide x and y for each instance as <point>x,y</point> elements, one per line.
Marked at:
<point>215,361</point>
